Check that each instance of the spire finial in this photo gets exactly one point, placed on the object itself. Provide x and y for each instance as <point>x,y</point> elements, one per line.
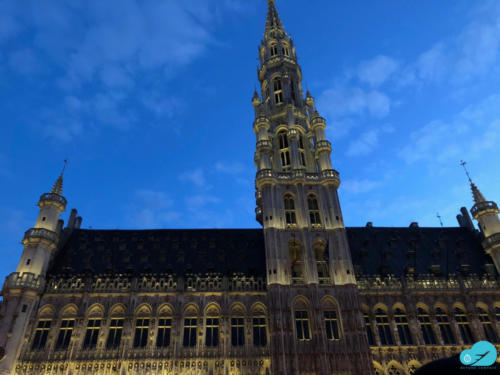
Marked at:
<point>462,163</point>
<point>439,217</point>
<point>476,194</point>
<point>58,185</point>
<point>273,20</point>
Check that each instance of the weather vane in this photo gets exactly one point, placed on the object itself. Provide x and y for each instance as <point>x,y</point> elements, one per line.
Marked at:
<point>462,163</point>
<point>439,217</point>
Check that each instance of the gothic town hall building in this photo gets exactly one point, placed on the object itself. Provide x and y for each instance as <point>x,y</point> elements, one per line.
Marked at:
<point>304,295</point>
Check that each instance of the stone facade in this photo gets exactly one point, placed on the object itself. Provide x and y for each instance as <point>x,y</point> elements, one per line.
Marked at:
<point>303,296</point>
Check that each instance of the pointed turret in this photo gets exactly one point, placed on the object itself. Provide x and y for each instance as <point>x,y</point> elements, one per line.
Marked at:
<point>273,20</point>
<point>486,214</point>
<point>58,186</point>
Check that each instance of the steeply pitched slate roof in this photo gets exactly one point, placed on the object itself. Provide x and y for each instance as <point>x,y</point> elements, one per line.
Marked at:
<point>177,251</point>
<point>379,250</point>
<point>374,251</point>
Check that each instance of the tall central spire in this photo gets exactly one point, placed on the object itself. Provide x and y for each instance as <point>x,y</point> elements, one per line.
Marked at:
<point>273,20</point>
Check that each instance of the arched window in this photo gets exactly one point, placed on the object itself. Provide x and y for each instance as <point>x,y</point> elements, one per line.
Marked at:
<point>302,154</point>
<point>444,327</point>
<point>190,327</point>
<point>274,49</point>
<point>237,326</point>
<point>141,333</point>
<point>164,327</point>
<point>383,327</point>
<point>290,218</point>
<point>259,328</point>
<point>369,330</point>
<point>212,327</point>
<point>426,326</point>
<point>296,252</point>
<point>284,150</point>
<point>312,205</point>
<point>402,326</point>
<point>41,334</point>
<point>463,326</point>
<point>321,255</point>
<point>286,49</point>
<point>489,331</point>
<point>301,316</point>
<point>332,324</point>
<point>115,327</point>
<point>278,90</point>
<point>66,328</point>
<point>93,328</point>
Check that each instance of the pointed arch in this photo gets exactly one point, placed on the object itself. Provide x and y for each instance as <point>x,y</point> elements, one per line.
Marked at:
<point>401,319</point>
<point>413,366</point>
<point>486,322</point>
<point>118,309</point>
<point>277,90</point>
<point>424,318</point>
<point>191,313</point>
<point>462,320</point>
<point>301,313</point>
<point>166,309</point>
<point>313,210</point>
<point>95,310</point>
<point>212,309</point>
<point>70,310</point>
<point>237,308</point>
<point>331,318</point>
<point>368,324</point>
<point>144,309</point>
<point>443,321</point>
<point>47,311</point>
<point>259,324</point>
<point>383,324</point>
<point>378,368</point>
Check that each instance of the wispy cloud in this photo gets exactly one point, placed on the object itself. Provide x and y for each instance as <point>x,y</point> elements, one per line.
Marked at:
<point>359,186</point>
<point>196,177</point>
<point>377,70</point>
<point>229,167</point>
<point>151,209</point>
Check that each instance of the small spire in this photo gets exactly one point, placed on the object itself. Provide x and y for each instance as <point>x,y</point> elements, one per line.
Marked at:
<point>476,194</point>
<point>273,20</point>
<point>58,185</point>
<point>439,217</point>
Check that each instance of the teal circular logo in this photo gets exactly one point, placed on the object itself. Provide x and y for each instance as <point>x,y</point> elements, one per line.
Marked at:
<point>482,353</point>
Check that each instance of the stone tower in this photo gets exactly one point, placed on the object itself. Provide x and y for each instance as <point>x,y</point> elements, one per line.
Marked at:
<point>22,289</point>
<point>486,214</point>
<point>308,262</point>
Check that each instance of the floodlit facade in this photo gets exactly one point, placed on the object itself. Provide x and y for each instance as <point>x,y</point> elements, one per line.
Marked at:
<point>303,295</point>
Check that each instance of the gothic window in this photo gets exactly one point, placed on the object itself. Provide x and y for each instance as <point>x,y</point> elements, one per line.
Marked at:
<point>164,331</point>
<point>463,326</point>
<point>286,49</point>
<point>369,330</point>
<point>321,256</point>
<point>274,49</point>
<point>489,331</point>
<point>302,325</point>
<point>115,333</point>
<point>259,330</point>
<point>141,333</point>
<point>403,328</point>
<point>296,253</point>
<point>65,333</point>
<point>284,150</point>
<point>312,205</point>
<point>332,325</point>
<point>290,218</point>
<point>212,332</point>
<point>292,91</point>
<point>237,331</point>
<point>302,154</point>
<point>92,334</point>
<point>444,327</point>
<point>383,327</point>
<point>190,325</point>
<point>426,326</point>
<point>278,90</point>
<point>41,333</point>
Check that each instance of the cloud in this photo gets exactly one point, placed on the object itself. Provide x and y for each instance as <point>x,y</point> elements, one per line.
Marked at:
<point>359,186</point>
<point>338,102</point>
<point>151,209</point>
<point>229,167</point>
<point>196,177</point>
<point>24,61</point>
<point>377,70</point>
<point>475,130</point>
<point>364,144</point>
<point>15,221</point>
<point>199,201</point>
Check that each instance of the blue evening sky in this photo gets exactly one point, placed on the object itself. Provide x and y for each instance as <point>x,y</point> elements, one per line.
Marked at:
<point>150,102</point>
